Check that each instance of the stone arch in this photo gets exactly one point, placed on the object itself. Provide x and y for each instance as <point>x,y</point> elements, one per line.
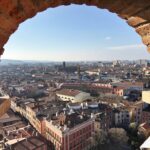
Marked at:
<point>14,12</point>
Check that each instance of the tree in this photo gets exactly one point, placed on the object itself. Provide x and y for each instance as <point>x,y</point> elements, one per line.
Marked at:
<point>99,139</point>
<point>118,136</point>
<point>114,139</point>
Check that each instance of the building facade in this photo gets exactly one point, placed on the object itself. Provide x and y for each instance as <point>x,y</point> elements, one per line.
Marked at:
<point>65,130</point>
<point>72,95</point>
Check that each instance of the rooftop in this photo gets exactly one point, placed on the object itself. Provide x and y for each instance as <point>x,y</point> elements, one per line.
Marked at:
<point>147,109</point>
<point>30,143</point>
<point>69,120</point>
<point>128,84</point>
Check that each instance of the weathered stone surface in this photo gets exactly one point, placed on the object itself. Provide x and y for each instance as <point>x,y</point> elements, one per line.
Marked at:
<point>143,29</point>
<point>136,21</point>
<point>146,40</point>
<point>14,12</point>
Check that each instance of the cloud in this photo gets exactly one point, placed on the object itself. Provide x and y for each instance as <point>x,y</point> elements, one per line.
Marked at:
<point>108,38</point>
<point>125,47</point>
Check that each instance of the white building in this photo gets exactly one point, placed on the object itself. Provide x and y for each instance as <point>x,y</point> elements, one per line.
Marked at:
<point>72,95</point>
<point>93,72</point>
<point>146,96</point>
<point>145,145</point>
<point>75,106</point>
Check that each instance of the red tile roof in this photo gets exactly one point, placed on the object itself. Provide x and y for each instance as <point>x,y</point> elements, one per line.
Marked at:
<point>69,92</point>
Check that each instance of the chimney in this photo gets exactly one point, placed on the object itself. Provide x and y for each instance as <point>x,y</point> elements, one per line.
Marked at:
<point>81,117</point>
<point>64,119</point>
<point>92,115</point>
<point>56,114</point>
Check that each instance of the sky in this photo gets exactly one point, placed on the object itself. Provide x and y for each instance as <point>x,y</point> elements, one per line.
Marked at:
<point>75,33</point>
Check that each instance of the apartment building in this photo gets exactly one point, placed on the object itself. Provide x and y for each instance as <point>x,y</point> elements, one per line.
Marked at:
<point>28,110</point>
<point>121,117</point>
<point>136,112</point>
<point>124,88</point>
<point>104,119</point>
<point>70,132</point>
<point>128,113</point>
<point>145,114</point>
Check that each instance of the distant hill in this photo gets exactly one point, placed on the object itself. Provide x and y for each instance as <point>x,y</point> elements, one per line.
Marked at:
<point>15,62</point>
<point>9,61</point>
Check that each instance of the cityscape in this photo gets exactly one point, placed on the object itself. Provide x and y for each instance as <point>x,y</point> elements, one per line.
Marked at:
<point>74,105</point>
<point>74,75</point>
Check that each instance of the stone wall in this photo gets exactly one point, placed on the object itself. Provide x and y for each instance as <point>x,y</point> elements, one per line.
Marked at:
<point>14,12</point>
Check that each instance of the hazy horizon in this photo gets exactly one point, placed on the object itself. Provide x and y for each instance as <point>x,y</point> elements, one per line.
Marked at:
<point>73,60</point>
